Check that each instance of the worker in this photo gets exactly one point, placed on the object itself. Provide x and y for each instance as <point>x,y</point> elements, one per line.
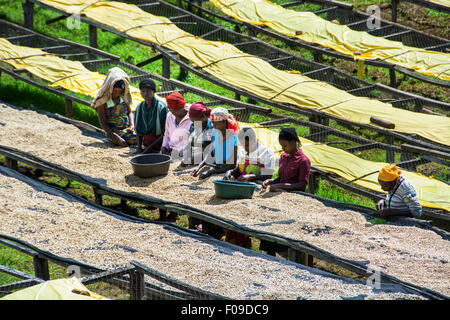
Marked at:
<point>200,134</point>
<point>178,124</point>
<point>112,103</point>
<point>401,197</point>
<point>221,154</point>
<point>294,167</point>
<point>258,163</point>
<point>150,119</point>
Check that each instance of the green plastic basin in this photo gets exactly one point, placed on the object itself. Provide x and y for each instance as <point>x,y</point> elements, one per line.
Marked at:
<point>234,189</point>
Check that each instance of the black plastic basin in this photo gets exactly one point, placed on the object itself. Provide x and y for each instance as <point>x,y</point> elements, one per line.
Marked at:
<point>150,165</point>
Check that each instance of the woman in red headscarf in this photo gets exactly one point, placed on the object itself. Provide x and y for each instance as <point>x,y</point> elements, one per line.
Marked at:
<point>178,123</point>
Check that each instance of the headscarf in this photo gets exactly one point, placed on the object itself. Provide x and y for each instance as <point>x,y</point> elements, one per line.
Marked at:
<point>114,75</point>
<point>389,172</point>
<point>198,109</point>
<point>175,101</point>
<point>220,114</point>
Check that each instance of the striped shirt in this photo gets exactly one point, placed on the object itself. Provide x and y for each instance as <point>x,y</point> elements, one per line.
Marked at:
<point>403,196</point>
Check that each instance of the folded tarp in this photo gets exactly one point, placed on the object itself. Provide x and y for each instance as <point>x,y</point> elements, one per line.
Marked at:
<point>361,45</point>
<point>60,289</point>
<point>67,74</point>
<point>445,3</point>
<point>231,65</point>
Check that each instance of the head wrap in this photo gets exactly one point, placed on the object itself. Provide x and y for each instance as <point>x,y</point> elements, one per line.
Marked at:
<point>175,101</point>
<point>119,84</point>
<point>115,77</point>
<point>288,134</point>
<point>220,114</point>
<point>389,172</point>
<point>147,83</point>
<point>198,109</point>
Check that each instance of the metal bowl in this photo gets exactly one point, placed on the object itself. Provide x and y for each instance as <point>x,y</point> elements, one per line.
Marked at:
<point>151,165</point>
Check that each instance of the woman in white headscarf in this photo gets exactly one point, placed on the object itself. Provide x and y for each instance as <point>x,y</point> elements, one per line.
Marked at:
<point>222,152</point>
<point>112,104</point>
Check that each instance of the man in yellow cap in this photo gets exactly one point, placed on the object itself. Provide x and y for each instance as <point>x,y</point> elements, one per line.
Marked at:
<point>401,198</point>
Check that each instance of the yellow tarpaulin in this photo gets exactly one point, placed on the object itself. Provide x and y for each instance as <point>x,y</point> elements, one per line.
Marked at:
<point>70,75</point>
<point>445,3</point>
<point>253,74</point>
<point>431,192</point>
<point>60,289</point>
<point>309,27</point>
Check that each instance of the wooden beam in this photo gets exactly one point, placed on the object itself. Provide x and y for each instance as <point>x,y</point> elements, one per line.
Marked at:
<point>420,150</point>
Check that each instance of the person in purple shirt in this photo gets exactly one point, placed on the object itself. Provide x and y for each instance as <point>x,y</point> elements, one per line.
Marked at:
<point>294,167</point>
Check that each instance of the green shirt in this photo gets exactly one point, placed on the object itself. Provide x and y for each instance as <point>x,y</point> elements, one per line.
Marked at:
<point>151,120</point>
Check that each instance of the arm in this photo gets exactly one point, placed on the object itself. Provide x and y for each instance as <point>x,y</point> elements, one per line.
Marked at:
<point>209,158</point>
<point>131,117</point>
<point>231,173</point>
<point>165,144</point>
<point>300,186</point>
<point>253,177</point>
<point>269,182</point>
<point>101,112</point>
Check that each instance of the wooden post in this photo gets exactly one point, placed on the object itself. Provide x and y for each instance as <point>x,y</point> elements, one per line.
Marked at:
<point>392,78</point>
<point>162,215</point>
<point>300,257</point>
<point>93,36</point>
<point>389,153</point>
<point>199,3</point>
<point>313,118</point>
<point>137,285</point>
<point>361,69</point>
<point>183,72</point>
<point>313,182</point>
<point>404,156</point>
<point>98,197</point>
<point>41,268</point>
<point>394,6</point>
<point>318,57</point>
<point>251,31</point>
<point>418,106</point>
<point>28,14</point>
<point>12,164</point>
<point>165,67</point>
<point>69,108</point>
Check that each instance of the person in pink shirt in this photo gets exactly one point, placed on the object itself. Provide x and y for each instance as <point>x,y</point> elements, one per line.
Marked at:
<point>176,136</point>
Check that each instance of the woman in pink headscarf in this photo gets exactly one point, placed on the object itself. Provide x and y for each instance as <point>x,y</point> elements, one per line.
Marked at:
<point>199,133</point>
